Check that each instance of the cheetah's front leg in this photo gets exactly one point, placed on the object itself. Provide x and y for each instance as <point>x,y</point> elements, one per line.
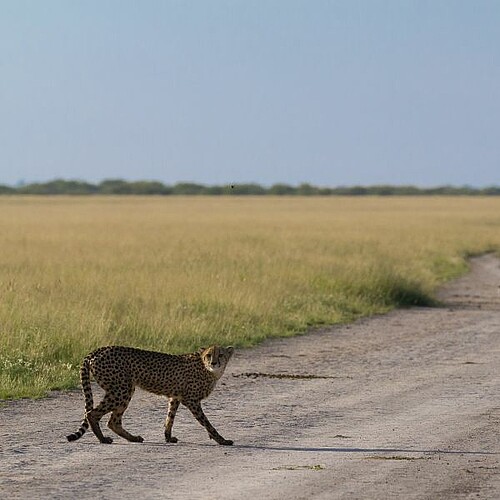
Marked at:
<point>173,404</point>
<point>197,411</point>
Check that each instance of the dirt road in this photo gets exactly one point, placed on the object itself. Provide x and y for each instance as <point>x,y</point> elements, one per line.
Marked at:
<point>409,407</point>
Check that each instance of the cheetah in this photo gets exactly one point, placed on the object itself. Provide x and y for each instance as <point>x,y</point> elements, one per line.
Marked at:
<point>186,378</point>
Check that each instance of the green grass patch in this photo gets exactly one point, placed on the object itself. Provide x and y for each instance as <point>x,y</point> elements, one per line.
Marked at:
<point>315,467</point>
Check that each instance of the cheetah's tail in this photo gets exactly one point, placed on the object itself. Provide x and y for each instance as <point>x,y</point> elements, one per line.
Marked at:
<point>89,400</point>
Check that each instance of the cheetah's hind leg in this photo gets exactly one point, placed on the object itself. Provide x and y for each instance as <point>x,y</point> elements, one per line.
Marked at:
<point>110,404</point>
<point>115,424</point>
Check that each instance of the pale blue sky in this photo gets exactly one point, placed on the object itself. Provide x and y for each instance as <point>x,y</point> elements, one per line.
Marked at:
<point>326,92</point>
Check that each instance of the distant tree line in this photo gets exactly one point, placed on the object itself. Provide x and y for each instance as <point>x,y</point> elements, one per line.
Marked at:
<point>121,187</point>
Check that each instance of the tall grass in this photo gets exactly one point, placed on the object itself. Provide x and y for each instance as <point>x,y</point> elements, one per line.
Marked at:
<point>177,273</point>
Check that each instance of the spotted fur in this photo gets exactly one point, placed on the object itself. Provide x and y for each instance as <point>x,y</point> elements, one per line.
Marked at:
<point>185,378</point>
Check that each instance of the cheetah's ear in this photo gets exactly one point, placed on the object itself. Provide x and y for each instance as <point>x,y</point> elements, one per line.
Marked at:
<point>207,350</point>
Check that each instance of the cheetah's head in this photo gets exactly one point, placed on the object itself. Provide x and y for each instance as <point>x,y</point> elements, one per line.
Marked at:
<point>215,358</point>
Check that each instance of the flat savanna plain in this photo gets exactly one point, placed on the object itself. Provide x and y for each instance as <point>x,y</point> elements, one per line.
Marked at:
<point>177,273</point>
<point>402,405</point>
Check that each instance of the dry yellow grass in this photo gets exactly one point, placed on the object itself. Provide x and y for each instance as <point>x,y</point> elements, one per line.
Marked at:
<point>175,273</point>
